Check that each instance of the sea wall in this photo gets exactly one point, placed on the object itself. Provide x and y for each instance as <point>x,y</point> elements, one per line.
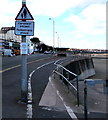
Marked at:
<point>83,67</point>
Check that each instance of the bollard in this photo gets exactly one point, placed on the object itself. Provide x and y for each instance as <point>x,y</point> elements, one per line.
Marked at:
<point>85,102</point>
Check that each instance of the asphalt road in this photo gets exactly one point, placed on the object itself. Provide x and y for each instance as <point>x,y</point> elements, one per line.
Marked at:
<point>43,66</point>
<point>11,86</point>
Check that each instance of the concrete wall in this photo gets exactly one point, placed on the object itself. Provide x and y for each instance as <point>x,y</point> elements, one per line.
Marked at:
<point>83,67</point>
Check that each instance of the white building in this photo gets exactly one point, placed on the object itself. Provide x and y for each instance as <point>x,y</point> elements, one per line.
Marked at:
<point>7,38</point>
<point>7,33</point>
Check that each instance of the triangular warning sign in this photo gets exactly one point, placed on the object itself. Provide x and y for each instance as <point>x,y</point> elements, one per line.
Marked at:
<point>24,14</point>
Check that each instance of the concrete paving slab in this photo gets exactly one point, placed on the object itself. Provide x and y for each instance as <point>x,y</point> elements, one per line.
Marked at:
<point>50,97</point>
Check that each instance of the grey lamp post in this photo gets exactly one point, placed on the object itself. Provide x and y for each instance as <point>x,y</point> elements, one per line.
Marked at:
<point>53,32</point>
<point>57,38</point>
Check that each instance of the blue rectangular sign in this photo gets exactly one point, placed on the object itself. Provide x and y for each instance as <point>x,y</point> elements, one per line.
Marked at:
<point>24,28</point>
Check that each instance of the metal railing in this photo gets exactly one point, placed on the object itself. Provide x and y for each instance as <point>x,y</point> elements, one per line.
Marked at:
<point>75,88</point>
<point>67,79</point>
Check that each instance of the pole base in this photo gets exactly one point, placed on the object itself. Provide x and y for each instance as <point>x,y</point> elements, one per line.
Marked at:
<point>22,101</point>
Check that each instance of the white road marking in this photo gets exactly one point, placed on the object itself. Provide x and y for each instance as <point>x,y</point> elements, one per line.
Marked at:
<point>29,111</point>
<point>45,65</point>
<point>47,108</point>
<point>29,105</point>
<point>71,113</point>
<point>7,69</point>
<point>68,108</point>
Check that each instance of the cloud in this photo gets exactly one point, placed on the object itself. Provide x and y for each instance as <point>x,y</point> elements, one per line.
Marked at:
<point>52,7</point>
<point>9,6</point>
<point>87,17</point>
<point>91,21</point>
<point>55,8</point>
<point>8,11</point>
<point>88,27</point>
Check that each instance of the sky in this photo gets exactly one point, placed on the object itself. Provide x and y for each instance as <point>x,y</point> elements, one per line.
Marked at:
<point>78,23</point>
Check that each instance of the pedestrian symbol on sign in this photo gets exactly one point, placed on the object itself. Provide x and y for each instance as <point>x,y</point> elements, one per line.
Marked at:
<point>24,14</point>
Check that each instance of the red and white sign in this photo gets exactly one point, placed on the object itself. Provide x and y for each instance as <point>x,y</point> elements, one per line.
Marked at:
<point>24,14</point>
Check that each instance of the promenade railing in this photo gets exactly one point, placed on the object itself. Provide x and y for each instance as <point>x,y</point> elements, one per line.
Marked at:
<point>67,78</point>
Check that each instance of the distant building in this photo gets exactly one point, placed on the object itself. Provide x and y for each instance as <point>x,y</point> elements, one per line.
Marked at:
<point>7,34</point>
<point>9,41</point>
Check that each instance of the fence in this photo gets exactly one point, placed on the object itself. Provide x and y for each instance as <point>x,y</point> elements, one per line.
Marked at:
<point>83,68</point>
<point>67,79</point>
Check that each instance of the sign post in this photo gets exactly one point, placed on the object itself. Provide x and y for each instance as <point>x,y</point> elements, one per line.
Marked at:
<point>24,75</point>
<point>24,28</point>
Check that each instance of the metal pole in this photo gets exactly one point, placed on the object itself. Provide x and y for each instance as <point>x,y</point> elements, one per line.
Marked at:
<point>24,75</point>
<point>58,38</point>
<point>58,41</point>
<point>62,74</point>
<point>67,74</point>
<point>53,34</point>
<point>85,102</point>
<point>77,91</point>
<point>24,70</point>
<point>23,2</point>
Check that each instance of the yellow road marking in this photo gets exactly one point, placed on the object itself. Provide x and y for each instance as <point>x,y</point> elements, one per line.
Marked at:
<point>9,68</point>
<point>1,71</point>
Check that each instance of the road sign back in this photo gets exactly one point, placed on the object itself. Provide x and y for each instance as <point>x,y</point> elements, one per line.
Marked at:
<point>24,14</point>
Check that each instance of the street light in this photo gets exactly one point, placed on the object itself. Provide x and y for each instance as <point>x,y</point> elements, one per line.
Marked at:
<point>57,38</point>
<point>53,31</point>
